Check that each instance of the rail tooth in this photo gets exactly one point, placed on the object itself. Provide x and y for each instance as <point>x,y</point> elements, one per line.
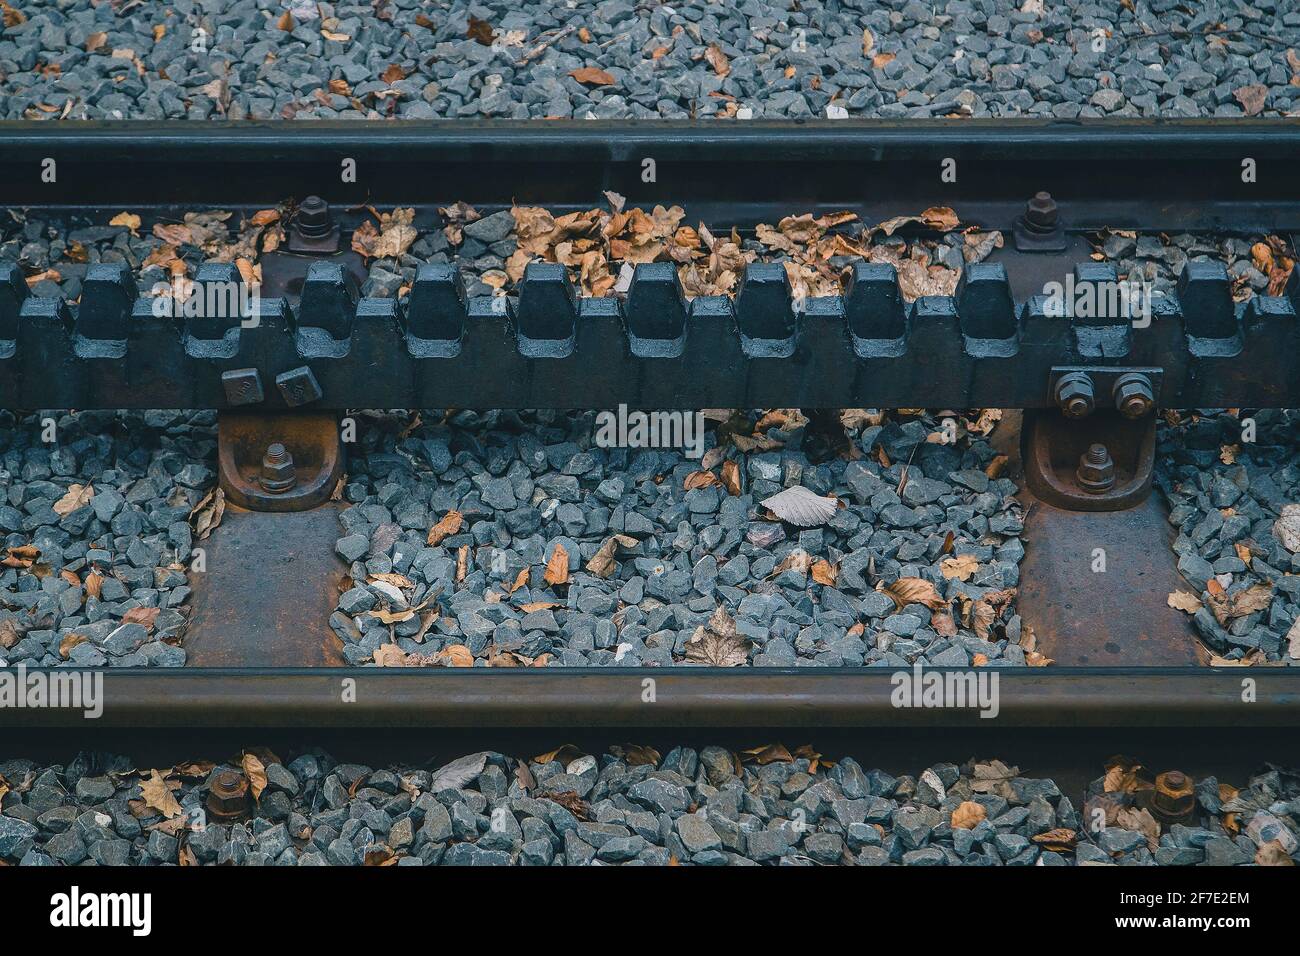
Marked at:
<point>266,344</point>
<point>435,311</point>
<point>489,343</point>
<point>221,299</point>
<point>13,290</point>
<point>548,311</point>
<point>378,353</point>
<point>655,311</point>
<point>326,311</point>
<point>49,374</point>
<point>938,365</point>
<point>1212,321</point>
<point>711,364</point>
<point>108,294</point>
<point>986,312</point>
<point>1100,332</point>
<point>876,313</point>
<point>765,311</point>
<point>1269,357</point>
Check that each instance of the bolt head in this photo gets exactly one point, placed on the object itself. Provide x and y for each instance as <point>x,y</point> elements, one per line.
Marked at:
<point>278,473</point>
<point>1133,399</point>
<point>1096,471</point>
<point>1074,396</point>
<point>1041,211</point>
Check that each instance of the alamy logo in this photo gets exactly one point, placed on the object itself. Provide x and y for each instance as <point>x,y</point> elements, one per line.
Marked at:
<point>74,909</point>
<point>624,429</point>
<point>1129,300</point>
<point>957,689</point>
<point>53,689</point>
<point>182,298</point>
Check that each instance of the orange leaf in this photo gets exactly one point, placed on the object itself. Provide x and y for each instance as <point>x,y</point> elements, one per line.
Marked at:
<point>557,569</point>
<point>591,76</point>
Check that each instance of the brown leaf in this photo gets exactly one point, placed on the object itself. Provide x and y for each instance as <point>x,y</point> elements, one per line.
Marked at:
<point>255,771</point>
<point>285,23</point>
<point>700,479</point>
<point>94,585</point>
<point>480,31</point>
<point>456,655</point>
<point>68,643</point>
<point>731,477</point>
<point>968,814</point>
<point>445,528</point>
<point>389,655</point>
<point>396,580</point>
<point>717,643</point>
<point>142,615</point>
<point>157,793</point>
<point>21,556</point>
<point>962,567</point>
<point>717,59</point>
<point>1060,840</point>
<point>823,572</point>
<point>768,753</point>
<point>1273,853</point>
<point>592,76</point>
<point>1184,601</point>
<point>78,496</point>
<point>557,569</point>
<point>207,514</point>
<point>95,40</point>
<point>1251,98</point>
<point>907,591</point>
<point>940,218</point>
<point>603,562</point>
<point>392,74</point>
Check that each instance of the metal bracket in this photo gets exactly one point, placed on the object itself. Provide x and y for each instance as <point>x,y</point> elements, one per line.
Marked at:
<point>312,236</point>
<point>278,462</point>
<point>1105,384</point>
<point>1064,468</point>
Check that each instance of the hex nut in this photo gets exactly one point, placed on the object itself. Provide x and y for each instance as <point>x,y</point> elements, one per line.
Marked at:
<point>1074,395</point>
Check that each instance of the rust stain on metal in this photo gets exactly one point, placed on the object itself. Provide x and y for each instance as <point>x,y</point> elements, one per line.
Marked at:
<point>268,592</point>
<point>1085,616</point>
<point>278,462</point>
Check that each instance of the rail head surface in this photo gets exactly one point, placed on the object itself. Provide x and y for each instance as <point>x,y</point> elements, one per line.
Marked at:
<point>662,698</point>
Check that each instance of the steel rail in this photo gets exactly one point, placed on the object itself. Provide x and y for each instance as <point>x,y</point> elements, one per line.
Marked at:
<point>665,698</point>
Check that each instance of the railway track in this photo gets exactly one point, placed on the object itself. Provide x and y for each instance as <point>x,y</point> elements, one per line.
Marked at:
<point>323,336</point>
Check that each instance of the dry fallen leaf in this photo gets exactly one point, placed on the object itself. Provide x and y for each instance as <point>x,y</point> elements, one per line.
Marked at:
<point>445,528</point>
<point>717,59</point>
<point>557,568</point>
<point>603,563</point>
<point>78,496</point>
<point>255,771</point>
<point>907,591</point>
<point>967,815</point>
<point>206,515</point>
<point>142,615</point>
<point>824,573</point>
<point>1184,601</point>
<point>799,506</point>
<point>1251,98</point>
<point>157,792</point>
<point>456,655</point>
<point>592,76</point>
<point>717,643</point>
<point>67,644</point>
<point>962,567</point>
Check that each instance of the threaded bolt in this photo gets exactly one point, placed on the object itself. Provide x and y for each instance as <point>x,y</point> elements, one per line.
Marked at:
<point>278,472</point>
<point>1041,213</point>
<point>313,220</point>
<point>1096,471</point>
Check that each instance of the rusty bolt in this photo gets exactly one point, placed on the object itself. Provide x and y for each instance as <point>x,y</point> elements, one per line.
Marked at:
<point>1074,395</point>
<point>1040,212</point>
<point>1096,472</point>
<point>278,473</point>
<point>1133,395</point>
<point>1174,798</point>
<point>228,796</point>
<point>313,219</point>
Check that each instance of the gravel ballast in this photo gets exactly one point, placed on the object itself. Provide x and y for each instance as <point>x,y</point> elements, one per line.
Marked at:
<point>631,806</point>
<point>96,535</point>
<point>454,529</point>
<point>615,59</point>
